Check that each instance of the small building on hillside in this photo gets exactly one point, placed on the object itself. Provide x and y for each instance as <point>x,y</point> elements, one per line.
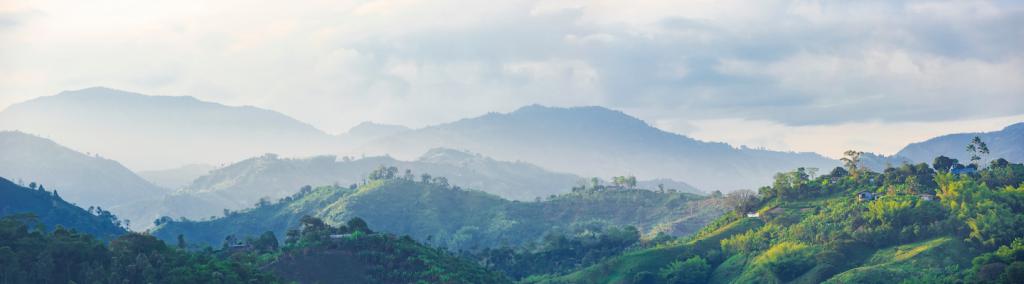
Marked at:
<point>927,197</point>
<point>964,170</point>
<point>753,215</point>
<point>865,196</point>
<point>339,236</point>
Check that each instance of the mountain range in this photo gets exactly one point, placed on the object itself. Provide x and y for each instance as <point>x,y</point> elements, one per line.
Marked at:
<point>160,132</point>
<point>1006,143</point>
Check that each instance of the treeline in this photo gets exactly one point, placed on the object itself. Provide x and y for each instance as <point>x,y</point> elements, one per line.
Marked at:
<point>29,254</point>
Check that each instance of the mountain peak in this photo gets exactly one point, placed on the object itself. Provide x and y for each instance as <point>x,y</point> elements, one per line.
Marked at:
<point>98,92</point>
<point>375,129</point>
<point>441,155</point>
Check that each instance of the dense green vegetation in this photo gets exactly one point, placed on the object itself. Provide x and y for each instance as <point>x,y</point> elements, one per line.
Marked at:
<point>30,254</point>
<point>51,210</point>
<point>561,253</point>
<point>913,224</point>
<point>431,210</point>
<point>316,252</point>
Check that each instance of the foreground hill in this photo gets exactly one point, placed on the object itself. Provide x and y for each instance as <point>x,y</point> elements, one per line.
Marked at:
<point>848,227</point>
<point>51,210</point>
<point>81,179</point>
<point>65,255</point>
<point>449,216</point>
<point>1007,143</point>
<point>158,132</point>
<point>242,184</point>
<point>595,141</point>
<point>316,252</point>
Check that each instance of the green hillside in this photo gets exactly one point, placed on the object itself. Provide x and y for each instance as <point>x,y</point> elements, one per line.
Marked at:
<point>316,252</point>
<point>448,216</point>
<point>51,210</point>
<point>917,226</point>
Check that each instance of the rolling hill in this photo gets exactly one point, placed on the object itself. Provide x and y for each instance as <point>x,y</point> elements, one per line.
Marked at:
<point>456,218</point>
<point>80,179</point>
<point>243,184</point>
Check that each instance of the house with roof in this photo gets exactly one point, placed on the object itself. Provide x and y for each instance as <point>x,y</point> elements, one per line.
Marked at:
<point>964,170</point>
<point>866,196</point>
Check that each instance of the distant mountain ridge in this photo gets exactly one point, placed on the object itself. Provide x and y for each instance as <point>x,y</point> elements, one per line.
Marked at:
<point>1007,143</point>
<point>596,141</point>
<point>159,132</point>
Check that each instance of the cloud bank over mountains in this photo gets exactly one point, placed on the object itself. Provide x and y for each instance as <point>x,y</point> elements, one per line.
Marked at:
<point>686,66</point>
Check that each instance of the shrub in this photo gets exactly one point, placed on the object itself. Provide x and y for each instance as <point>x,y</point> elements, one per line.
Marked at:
<point>787,260</point>
<point>693,270</point>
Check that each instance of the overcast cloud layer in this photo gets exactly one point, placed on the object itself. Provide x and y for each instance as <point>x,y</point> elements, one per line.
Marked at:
<point>791,75</point>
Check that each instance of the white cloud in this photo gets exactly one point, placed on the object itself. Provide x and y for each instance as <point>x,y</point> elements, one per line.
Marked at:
<point>337,63</point>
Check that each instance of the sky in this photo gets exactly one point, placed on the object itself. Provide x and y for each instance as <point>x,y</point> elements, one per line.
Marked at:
<point>820,76</point>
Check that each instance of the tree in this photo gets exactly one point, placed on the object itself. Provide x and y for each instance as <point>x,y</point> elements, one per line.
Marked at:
<point>943,164</point>
<point>716,194</point>
<point>391,173</point>
<point>742,201</point>
<point>266,242</point>
<point>263,202</point>
<point>977,148</point>
<point>32,185</point>
<point>999,163</point>
<point>442,181</point>
<point>181,242</point>
<point>311,223</point>
<point>408,175</point>
<point>812,172</point>
<point>851,159</point>
<point>357,224</point>
<point>425,178</point>
<point>692,271</point>
<point>839,172</point>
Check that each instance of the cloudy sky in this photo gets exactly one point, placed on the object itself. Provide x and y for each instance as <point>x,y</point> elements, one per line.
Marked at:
<point>820,76</point>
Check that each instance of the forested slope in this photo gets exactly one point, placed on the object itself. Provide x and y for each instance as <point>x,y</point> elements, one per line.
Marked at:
<point>908,224</point>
